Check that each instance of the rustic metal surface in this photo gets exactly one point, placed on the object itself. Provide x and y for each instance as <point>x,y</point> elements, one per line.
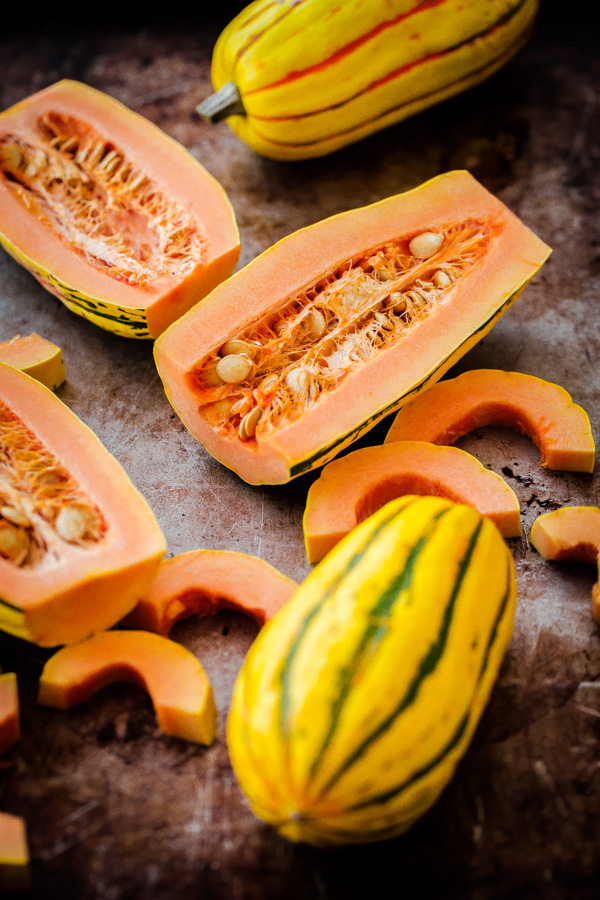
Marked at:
<point>116,810</point>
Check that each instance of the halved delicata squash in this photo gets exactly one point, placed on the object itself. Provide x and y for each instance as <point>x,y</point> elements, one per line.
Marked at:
<point>110,214</point>
<point>78,542</point>
<point>538,408</point>
<point>312,343</point>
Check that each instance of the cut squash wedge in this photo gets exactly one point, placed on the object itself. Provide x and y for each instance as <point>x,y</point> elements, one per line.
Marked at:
<point>201,582</point>
<point>15,873</point>
<point>540,409</point>
<point>177,683</point>
<point>352,488</point>
<point>10,729</point>
<point>571,533</point>
<point>35,356</point>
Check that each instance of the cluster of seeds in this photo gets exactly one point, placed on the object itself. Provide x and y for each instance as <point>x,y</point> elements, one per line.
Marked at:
<point>103,205</point>
<point>271,373</point>
<point>41,506</point>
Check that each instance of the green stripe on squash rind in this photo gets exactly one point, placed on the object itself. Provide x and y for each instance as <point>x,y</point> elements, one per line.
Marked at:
<point>282,711</point>
<point>119,320</point>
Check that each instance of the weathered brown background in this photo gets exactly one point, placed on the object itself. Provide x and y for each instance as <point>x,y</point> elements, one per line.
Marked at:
<point>114,809</point>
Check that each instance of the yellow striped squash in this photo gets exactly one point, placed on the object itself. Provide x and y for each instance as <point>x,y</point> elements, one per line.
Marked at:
<point>301,78</point>
<point>358,699</point>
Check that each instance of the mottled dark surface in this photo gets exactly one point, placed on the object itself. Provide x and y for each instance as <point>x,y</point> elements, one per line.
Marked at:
<point>116,810</point>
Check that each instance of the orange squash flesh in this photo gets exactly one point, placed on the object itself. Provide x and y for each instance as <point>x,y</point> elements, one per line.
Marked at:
<point>53,466</point>
<point>571,533</point>
<point>14,854</point>
<point>292,273</point>
<point>176,681</point>
<point>538,408</point>
<point>10,729</point>
<point>35,356</point>
<point>89,281</point>
<point>351,488</point>
<point>201,582</point>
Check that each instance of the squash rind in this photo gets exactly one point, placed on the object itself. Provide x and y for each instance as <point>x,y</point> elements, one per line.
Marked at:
<point>356,702</point>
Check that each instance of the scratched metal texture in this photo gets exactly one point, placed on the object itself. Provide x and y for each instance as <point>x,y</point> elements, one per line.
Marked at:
<point>116,810</point>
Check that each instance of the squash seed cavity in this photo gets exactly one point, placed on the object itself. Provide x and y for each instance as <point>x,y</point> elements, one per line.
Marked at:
<point>41,506</point>
<point>101,203</point>
<point>269,375</point>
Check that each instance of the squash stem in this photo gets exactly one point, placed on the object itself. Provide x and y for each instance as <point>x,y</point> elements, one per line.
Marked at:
<point>225,102</point>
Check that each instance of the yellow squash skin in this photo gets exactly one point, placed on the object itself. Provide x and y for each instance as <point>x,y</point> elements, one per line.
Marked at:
<point>358,699</point>
<point>314,76</point>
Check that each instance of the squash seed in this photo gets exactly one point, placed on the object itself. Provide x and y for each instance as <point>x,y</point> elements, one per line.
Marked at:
<point>426,244</point>
<point>16,516</point>
<point>74,522</point>
<point>249,422</point>
<point>242,348</point>
<point>14,543</point>
<point>234,368</point>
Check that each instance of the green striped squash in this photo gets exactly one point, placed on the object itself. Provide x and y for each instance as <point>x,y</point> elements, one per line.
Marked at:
<point>359,698</point>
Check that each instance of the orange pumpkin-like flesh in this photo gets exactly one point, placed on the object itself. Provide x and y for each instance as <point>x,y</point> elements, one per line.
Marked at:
<point>351,488</point>
<point>10,729</point>
<point>14,853</point>
<point>571,533</point>
<point>35,356</point>
<point>60,578</point>
<point>177,683</point>
<point>332,349</point>
<point>201,582</point>
<point>540,409</point>
<point>131,263</point>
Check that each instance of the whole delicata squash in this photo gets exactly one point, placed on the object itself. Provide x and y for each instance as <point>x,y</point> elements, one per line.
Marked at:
<point>301,78</point>
<point>78,542</point>
<point>357,700</point>
<point>312,343</point>
<point>110,214</point>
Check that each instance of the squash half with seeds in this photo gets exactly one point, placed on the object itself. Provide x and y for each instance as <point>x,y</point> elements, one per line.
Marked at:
<point>109,213</point>
<point>312,343</point>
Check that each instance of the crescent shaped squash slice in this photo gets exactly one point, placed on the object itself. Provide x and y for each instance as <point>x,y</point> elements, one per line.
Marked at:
<point>10,727</point>
<point>176,681</point>
<point>538,408</point>
<point>571,533</point>
<point>78,542</point>
<point>357,700</point>
<point>301,78</point>
<point>35,356</point>
<point>312,343</point>
<point>351,488</point>
<point>110,214</point>
<point>15,873</point>
<point>201,582</point>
